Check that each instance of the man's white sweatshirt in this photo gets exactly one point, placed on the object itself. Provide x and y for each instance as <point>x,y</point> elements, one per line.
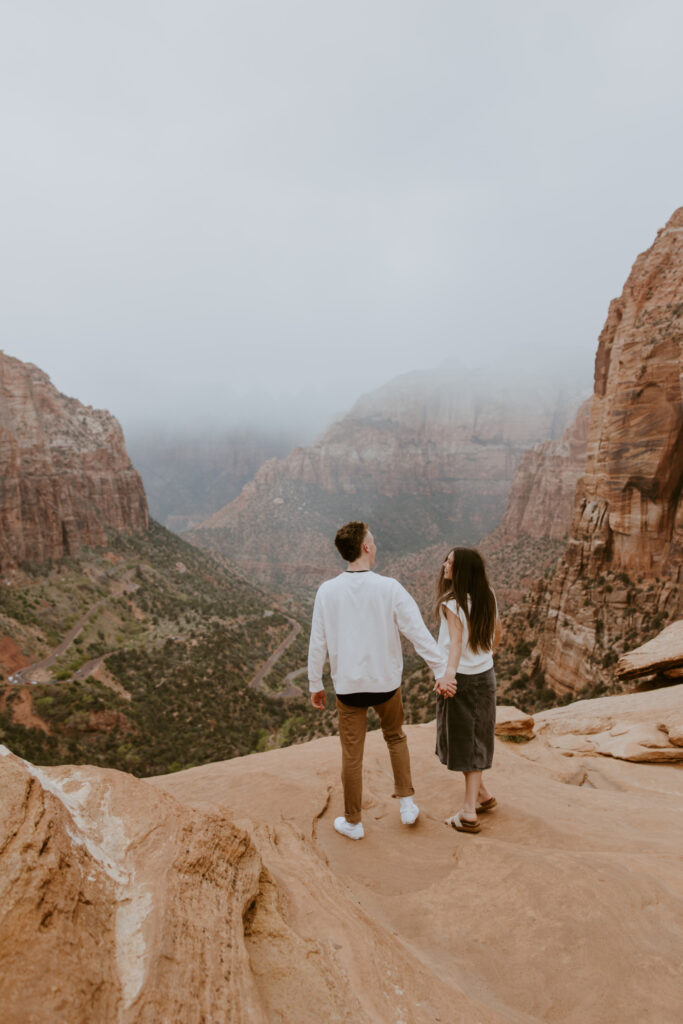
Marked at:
<point>357,619</point>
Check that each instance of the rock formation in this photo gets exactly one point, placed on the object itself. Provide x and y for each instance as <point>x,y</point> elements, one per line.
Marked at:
<point>65,473</point>
<point>510,721</point>
<point>222,894</point>
<point>661,656</point>
<point>629,727</point>
<point>621,574</point>
<point>426,458</point>
<point>107,889</point>
<point>541,499</point>
<point>619,578</point>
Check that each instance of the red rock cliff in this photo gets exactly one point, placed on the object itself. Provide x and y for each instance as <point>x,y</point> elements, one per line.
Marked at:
<point>622,572</point>
<point>541,499</point>
<point>65,476</point>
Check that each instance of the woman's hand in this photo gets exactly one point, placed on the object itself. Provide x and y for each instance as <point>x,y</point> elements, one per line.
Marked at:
<point>446,685</point>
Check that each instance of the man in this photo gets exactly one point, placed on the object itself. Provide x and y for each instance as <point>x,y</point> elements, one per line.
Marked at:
<point>357,619</point>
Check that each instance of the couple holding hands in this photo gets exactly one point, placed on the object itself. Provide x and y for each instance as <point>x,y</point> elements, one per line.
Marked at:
<point>358,619</point>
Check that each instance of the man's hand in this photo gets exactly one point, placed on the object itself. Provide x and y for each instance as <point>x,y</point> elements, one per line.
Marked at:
<point>319,700</point>
<point>446,686</point>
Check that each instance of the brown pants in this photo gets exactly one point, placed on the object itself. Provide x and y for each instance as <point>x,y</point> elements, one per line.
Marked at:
<point>352,729</point>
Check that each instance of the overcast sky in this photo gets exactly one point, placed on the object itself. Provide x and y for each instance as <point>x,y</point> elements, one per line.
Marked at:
<point>258,210</point>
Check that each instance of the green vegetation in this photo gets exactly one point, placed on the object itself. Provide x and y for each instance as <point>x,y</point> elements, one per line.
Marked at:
<point>180,634</point>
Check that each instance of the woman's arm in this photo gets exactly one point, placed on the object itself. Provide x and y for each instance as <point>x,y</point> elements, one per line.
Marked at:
<point>447,684</point>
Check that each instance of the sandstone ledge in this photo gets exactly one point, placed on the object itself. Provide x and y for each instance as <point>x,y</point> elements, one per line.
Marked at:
<point>223,893</point>
<point>632,727</point>
<point>664,653</point>
<point>510,721</point>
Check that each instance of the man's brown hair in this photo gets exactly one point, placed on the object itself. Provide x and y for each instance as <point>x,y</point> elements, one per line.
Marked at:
<point>349,540</point>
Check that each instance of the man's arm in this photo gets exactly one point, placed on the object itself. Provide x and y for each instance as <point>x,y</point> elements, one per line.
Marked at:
<point>411,624</point>
<point>317,652</point>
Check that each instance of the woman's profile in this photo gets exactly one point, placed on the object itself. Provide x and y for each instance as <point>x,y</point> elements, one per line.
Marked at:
<point>469,629</point>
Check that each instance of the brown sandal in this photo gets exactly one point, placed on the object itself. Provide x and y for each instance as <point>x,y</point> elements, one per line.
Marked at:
<point>487,805</point>
<point>462,825</point>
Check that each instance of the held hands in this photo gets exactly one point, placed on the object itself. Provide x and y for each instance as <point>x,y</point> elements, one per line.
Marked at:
<point>447,684</point>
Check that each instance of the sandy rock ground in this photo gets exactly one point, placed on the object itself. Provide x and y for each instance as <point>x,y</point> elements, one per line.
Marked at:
<point>223,894</point>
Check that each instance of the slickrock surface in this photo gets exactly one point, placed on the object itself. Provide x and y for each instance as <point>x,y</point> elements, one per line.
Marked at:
<point>662,654</point>
<point>428,456</point>
<point>65,472</point>
<point>632,727</point>
<point>223,894</point>
<point>117,903</point>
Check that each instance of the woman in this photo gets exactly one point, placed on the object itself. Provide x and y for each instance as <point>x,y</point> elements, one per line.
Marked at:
<point>469,630</point>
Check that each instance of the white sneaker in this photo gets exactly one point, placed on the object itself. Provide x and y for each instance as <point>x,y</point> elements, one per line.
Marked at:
<point>350,831</point>
<point>409,810</point>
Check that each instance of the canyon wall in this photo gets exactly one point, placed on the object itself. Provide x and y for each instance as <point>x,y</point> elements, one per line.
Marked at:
<point>426,459</point>
<point>620,578</point>
<point>541,499</point>
<point>65,476</point>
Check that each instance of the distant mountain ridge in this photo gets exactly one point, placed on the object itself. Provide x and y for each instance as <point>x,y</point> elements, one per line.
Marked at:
<point>429,457</point>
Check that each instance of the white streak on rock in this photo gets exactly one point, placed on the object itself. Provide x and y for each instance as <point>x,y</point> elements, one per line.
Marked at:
<point>106,841</point>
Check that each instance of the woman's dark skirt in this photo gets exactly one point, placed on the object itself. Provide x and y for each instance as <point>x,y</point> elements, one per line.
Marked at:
<point>466,723</point>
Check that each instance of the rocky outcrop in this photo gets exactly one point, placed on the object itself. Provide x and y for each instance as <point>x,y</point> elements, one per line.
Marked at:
<point>65,476</point>
<point>224,894</point>
<point>541,499</point>
<point>621,574</point>
<point>661,655</point>
<point>427,458</point>
<point>510,721</point>
<point>632,727</point>
<point>107,890</point>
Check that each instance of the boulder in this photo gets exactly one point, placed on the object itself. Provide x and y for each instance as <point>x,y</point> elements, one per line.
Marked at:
<point>510,721</point>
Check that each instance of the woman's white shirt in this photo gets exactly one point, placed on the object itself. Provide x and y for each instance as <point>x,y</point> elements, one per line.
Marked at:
<point>470,662</point>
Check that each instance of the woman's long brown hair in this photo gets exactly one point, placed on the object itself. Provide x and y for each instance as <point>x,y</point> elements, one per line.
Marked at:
<point>469,578</point>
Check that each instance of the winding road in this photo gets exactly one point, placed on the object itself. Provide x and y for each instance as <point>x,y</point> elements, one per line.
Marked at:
<point>256,682</point>
<point>24,675</point>
<point>289,690</point>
